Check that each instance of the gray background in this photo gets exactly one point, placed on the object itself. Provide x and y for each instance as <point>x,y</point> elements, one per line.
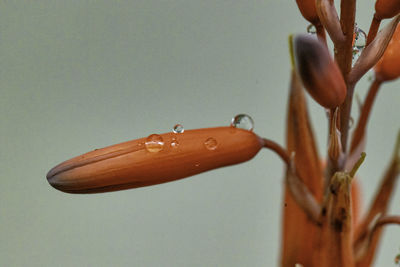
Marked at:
<point>78,75</point>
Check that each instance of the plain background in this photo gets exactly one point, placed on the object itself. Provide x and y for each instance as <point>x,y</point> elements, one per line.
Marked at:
<point>78,75</point>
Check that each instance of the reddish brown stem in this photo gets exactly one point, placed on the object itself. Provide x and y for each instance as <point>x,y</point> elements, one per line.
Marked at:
<point>373,29</point>
<point>359,131</point>
<point>387,220</point>
<point>278,149</point>
<point>344,56</point>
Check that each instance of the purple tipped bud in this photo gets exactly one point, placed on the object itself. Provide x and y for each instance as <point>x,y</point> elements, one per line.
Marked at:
<point>319,72</point>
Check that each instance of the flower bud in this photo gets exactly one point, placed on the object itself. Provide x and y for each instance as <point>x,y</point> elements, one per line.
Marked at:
<point>385,9</point>
<point>388,67</point>
<point>154,160</point>
<point>319,72</point>
<point>308,10</point>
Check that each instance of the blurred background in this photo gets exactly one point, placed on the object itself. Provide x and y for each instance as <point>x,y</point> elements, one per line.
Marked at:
<point>79,75</point>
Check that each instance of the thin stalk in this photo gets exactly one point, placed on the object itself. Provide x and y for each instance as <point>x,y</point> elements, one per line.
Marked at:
<point>373,29</point>
<point>359,131</point>
<point>278,149</point>
<point>344,57</point>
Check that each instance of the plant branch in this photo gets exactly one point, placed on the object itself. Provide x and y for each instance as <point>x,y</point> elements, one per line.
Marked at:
<point>278,149</point>
<point>359,132</point>
<point>373,29</point>
<point>344,56</point>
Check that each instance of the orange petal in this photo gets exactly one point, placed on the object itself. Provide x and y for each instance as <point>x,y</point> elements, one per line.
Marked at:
<point>297,227</point>
<point>337,244</point>
<point>388,67</point>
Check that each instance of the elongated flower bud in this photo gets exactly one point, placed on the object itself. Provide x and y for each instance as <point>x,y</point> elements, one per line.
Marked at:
<point>308,10</point>
<point>154,160</point>
<point>319,72</point>
<point>388,67</point>
<point>385,9</point>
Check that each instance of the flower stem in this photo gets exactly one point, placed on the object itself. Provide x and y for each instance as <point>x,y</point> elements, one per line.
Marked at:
<point>359,131</point>
<point>373,30</point>
<point>278,149</point>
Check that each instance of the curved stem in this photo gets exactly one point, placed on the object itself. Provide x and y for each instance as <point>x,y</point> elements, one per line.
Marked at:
<point>278,149</point>
<point>359,131</point>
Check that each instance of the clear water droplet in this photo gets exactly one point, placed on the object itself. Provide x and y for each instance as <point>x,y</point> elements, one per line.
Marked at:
<point>351,122</point>
<point>174,143</point>
<point>311,29</point>
<point>359,42</point>
<point>243,121</point>
<point>178,128</point>
<point>211,143</point>
<point>360,38</point>
<point>154,143</point>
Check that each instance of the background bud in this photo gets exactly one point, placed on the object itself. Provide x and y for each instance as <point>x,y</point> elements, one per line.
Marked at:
<point>319,72</point>
<point>385,9</point>
<point>388,67</point>
<point>308,10</point>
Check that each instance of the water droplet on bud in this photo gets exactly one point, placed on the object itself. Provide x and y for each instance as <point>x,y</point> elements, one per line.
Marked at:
<point>154,143</point>
<point>211,143</point>
<point>311,29</point>
<point>243,121</point>
<point>178,128</point>
<point>174,143</point>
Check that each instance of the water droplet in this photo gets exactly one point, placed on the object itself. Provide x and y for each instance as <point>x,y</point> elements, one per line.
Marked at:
<point>311,29</point>
<point>243,121</point>
<point>360,39</point>
<point>178,128</point>
<point>211,143</point>
<point>174,143</point>
<point>351,122</point>
<point>197,164</point>
<point>154,143</point>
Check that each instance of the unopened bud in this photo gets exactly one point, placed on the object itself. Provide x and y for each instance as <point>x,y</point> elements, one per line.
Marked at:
<point>388,67</point>
<point>154,160</point>
<point>319,72</point>
<point>308,10</point>
<point>385,9</point>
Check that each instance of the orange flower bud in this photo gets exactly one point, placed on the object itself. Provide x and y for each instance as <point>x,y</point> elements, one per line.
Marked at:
<point>319,72</point>
<point>308,10</point>
<point>388,67</point>
<point>154,160</point>
<point>385,9</point>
